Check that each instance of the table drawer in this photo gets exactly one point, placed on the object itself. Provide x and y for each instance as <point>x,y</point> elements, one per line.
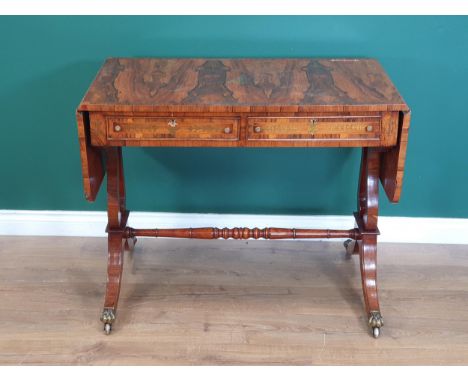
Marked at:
<point>172,128</point>
<point>314,128</point>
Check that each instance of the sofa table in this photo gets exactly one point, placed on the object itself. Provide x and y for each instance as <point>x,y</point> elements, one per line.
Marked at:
<point>244,103</point>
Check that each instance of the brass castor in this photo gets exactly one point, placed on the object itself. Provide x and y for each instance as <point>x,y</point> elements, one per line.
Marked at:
<point>107,318</point>
<point>107,328</point>
<point>375,323</point>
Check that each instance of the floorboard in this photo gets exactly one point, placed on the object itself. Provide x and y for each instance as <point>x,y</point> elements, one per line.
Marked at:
<point>189,302</point>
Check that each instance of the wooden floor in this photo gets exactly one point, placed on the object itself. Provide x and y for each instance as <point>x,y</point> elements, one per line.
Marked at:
<point>230,302</point>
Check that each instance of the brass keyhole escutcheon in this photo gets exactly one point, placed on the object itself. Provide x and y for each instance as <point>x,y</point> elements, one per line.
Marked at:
<point>312,125</point>
<point>172,123</point>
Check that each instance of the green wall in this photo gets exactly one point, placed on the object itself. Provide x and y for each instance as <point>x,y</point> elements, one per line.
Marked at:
<point>47,63</point>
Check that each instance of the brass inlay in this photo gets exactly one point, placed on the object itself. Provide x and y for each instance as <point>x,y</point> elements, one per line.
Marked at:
<point>312,126</point>
<point>172,123</point>
<point>159,128</point>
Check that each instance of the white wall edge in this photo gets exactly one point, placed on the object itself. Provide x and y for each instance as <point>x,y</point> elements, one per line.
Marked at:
<point>93,224</point>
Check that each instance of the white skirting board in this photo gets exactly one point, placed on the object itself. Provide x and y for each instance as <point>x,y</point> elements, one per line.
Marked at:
<point>81,223</point>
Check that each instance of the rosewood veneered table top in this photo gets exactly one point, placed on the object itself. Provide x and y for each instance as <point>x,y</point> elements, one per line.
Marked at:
<point>243,103</point>
<point>242,85</point>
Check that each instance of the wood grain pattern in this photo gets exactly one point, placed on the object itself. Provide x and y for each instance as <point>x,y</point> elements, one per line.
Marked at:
<point>315,128</point>
<point>150,88</point>
<point>91,159</point>
<point>367,219</point>
<point>241,85</point>
<point>117,216</point>
<point>180,128</point>
<point>244,233</point>
<point>393,161</point>
<point>239,130</point>
<point>230,303</point>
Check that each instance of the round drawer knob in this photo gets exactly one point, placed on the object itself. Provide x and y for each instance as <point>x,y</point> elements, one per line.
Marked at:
<point>257,129</point>
<point>369,128</point>
<point>227,130</point>
<point>117,128</point>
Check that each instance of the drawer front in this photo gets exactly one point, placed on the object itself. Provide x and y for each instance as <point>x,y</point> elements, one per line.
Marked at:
<point>160,128</point>
<point>314,128</point>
